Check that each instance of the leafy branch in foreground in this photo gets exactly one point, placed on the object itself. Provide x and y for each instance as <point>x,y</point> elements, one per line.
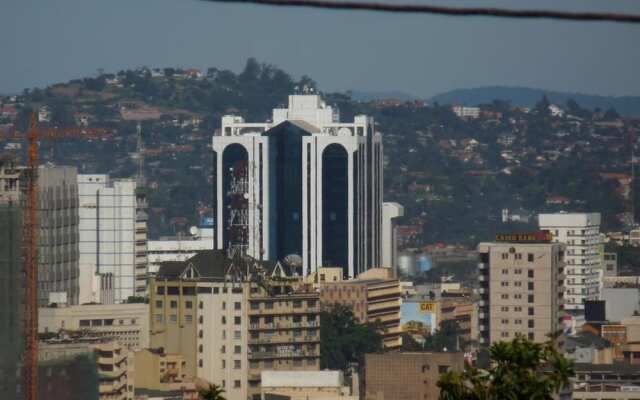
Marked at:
<point>519,369</point>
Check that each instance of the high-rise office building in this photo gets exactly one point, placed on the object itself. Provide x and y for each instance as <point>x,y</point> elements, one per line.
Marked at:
<point>58,219</point>
<point>113,238</point>
<point>581,233</point>
<point>521,290</point>
<point>301,184</point>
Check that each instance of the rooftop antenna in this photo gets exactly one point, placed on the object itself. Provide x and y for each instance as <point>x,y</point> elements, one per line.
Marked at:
<point>140,152</point>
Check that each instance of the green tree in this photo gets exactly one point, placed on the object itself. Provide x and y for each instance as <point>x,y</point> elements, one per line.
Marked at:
<point>212,392</point>
<point>343,340</point>
<point>519,369</point>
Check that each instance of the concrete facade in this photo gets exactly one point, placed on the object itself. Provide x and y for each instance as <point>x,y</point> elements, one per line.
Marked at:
<point>521,290</point>
<point>127,323</point>
<point>581,233</point>
<point>306,385</point>
<point>113,240</point>
<point>390,211</point>
<point>407,376</point>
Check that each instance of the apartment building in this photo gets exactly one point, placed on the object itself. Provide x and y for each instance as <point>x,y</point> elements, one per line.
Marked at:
<point>113,362</point>
<point>231,319</point>
<point>521,289</point>
<point>126,323</point>
<point>407,376</point>
<point>580,232</point>
<point>113,237</point>
<point>373,296</point>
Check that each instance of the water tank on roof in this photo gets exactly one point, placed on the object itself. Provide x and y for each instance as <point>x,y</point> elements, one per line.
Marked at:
<point>406,265</point>
<point>424,263</point>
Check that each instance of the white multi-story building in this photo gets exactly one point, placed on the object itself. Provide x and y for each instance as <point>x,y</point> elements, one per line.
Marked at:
<point>466,112</point>
<point>113,238</point>
<point>178,248</point>
<point>303,184</point>
<point>390,211</point>
<point>581,233</point>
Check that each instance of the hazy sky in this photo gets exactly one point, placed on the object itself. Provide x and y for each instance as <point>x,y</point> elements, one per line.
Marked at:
<point>47,41</point>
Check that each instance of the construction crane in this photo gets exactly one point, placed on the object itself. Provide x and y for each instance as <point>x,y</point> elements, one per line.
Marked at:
<point>30,243</point>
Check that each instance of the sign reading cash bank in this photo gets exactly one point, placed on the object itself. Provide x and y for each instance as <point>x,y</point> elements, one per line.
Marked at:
<point>533,237</point>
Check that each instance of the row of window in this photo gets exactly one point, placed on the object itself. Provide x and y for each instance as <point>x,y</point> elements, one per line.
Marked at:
<point>530,285</point>
<point>505,296</point>
<point>105,322</point>
<point>530,335</point>
<point>268,305</point>
<point>173,318</point>
<point>191,290</point>
<point>518,321</point>
<point>518,256</point>
<point>531,310</point>
<point>518,271</point>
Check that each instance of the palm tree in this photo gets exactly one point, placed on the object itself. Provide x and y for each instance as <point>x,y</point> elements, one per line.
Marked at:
<point>211,392</point>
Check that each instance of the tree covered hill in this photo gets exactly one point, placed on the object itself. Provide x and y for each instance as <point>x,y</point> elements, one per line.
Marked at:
<point>453,175</point>
<point>527,97</point>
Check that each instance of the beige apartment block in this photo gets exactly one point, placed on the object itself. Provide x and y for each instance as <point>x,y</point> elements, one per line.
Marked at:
<point>407,376</point>
<point>374,296</point>
<point>114,363</point>
<point>521,290</point>
<point>127,323</point>
<point>232,319</point>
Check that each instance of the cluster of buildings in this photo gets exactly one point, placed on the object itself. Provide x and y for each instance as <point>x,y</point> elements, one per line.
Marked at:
<point>298,225</point>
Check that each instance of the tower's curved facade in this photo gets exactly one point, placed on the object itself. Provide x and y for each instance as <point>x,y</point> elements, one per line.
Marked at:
<point>313,187</point>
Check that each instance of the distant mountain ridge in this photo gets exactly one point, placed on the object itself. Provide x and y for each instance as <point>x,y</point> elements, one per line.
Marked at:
<point>527,97</point>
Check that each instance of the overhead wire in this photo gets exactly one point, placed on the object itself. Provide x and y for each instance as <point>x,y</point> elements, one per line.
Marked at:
<point>444,10</point>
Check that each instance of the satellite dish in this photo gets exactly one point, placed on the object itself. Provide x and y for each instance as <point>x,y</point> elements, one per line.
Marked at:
<point>194,231</point>
<point>344,132</point>
<point>246,196</point>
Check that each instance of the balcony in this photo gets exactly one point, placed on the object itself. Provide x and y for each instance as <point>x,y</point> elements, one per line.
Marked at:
<point>265,355</point>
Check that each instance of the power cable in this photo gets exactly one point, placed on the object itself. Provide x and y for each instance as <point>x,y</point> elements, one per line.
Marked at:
<point>440,10</point>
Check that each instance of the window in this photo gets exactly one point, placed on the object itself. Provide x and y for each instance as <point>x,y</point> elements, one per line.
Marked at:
<point>517,283</point>
<point>188,318</point>
<point>443,369</point>
<point>237,305</point>
<point>531,336</point>
<point>530,273</point>
<point>297,303</point>
<point>158,318</point>
<point>504,283</point>
<point>531,323</point>
<point>504,309</point>
<point>530,257</point>
<point>504,334</point>
<point>530,298</point>
<point>173,290</point>
<point>200,349</point>
<point>200,363</point>
<point>174,304</point>
<point>237,320</point>
<point>237,349</point>
<point>236,384</point>
<point>255,306</point>
<point>504,296</point>
<point>223,349</point>
<point>200,305</point>
<point>505,271</point>
<point>224,320</point>
<point>237,334</point>
<point>224,364</point>
<point>531,311</point>
<point>86,322</point>
<point>173,318</point>
<point>505,256</point>
<point>224,383</point>
<point>224,305</point>
<point>160,290</point>
<point>530,285</point>
<point>311,303</point>
<point>216,290</point>
<point>237,364</point>
<point>504,321</point>
<point>517,296</point>
<point>518,256</point>
<point>268,305</point>
<point>158,303</point>
<point>518,322</point>
<point>517,309</point>
<point>188,304</point>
